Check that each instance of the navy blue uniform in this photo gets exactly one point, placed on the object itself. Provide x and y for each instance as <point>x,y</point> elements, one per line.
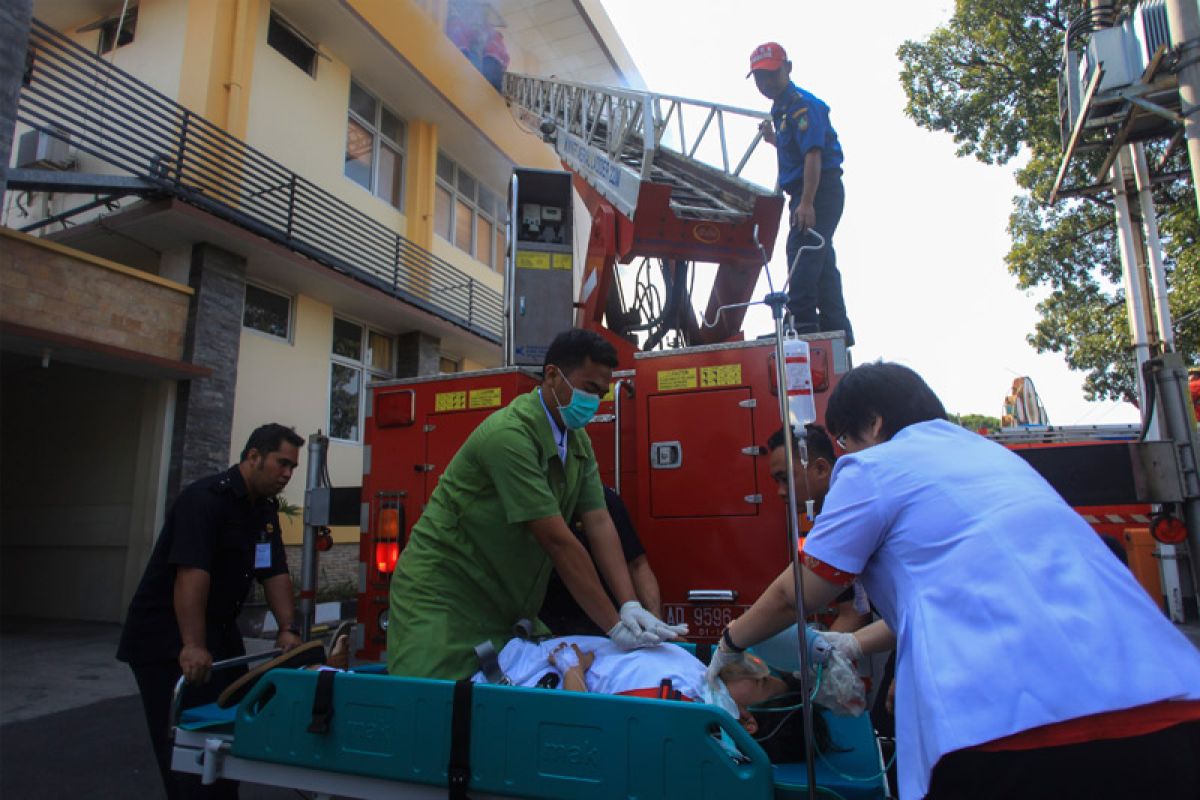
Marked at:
<point>214,526</point>
<point>815,289</point>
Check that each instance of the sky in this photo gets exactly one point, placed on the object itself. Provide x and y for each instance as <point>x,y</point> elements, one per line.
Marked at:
<point>922,239</point>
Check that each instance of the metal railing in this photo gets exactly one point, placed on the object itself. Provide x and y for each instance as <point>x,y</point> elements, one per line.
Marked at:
<point>73,94</point>
<point>699,147</point>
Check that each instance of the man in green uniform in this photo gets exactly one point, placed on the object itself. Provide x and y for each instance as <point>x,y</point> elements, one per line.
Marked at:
<point>480,555</point>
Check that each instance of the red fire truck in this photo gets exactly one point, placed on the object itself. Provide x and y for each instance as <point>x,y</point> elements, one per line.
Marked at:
<point>682,434</point>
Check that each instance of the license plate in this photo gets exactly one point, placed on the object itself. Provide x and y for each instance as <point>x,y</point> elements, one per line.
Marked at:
<point>703,621</point>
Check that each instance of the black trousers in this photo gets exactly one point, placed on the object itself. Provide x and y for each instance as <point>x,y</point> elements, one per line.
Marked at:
<point>815,289</point>
<point>1164,765</point>
<point>156,683</point>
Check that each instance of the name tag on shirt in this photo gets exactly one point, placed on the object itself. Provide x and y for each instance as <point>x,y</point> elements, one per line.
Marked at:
<point>262,555</point>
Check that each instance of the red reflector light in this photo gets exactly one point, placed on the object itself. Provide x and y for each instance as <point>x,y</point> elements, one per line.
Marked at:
<point>387,538</point>
<point>1168,529</point>
<point>386,556</point>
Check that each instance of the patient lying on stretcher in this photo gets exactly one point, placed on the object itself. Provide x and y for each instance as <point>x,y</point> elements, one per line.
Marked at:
<point>763,701</point>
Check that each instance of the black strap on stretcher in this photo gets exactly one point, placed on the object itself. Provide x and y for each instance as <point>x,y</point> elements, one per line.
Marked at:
<point>458,770</point>
<point>322,708</point>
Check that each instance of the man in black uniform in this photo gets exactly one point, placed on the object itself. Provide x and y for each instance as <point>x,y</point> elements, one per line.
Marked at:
<point>563,615</point>
<point>220,534</point>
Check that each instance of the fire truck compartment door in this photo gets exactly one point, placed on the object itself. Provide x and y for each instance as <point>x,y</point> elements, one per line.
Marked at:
<point>694,435</point>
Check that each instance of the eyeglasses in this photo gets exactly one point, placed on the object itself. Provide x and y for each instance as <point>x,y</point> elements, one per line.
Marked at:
<point>841,441</point>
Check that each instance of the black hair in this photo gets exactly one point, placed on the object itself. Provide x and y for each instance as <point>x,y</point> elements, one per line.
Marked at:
<point>266,439</point>
<point>892,392</point>
<point>820,445</point>
<point>571,348</point>
<point>781,726</point>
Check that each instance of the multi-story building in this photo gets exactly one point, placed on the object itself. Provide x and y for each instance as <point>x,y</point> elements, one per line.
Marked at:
<point>221,213</point>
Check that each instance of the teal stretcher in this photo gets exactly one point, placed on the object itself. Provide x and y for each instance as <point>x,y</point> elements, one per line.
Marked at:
<point>531,743</point>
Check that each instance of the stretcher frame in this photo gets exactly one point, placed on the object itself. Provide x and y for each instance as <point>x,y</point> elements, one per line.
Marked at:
<point>698,768</point>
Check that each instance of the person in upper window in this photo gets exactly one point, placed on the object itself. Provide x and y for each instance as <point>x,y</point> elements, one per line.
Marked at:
<point>810,171</point>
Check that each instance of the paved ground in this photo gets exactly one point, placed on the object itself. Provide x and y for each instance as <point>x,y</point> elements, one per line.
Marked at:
<point>71,722</point>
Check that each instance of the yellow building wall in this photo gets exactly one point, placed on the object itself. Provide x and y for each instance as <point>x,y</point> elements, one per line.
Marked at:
<point>288,382</point>
<point>493,278</point>
<point>154,56</point>
<point>411,30</point>
<point>300,121</point>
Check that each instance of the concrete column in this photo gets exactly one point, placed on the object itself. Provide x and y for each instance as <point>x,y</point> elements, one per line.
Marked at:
<point>147,507</point>
<point>204,407</point>
<point>417,353</point>
<point>14,41</point>
<point>420,197</point>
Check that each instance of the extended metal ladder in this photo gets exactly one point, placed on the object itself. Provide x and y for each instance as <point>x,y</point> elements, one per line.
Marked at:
<point>616,139</point>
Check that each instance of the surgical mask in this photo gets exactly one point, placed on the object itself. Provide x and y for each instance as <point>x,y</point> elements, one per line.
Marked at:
<point>580,410</point>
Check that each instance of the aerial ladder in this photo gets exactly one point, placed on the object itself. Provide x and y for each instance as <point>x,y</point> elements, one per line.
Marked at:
<point>662,179</point>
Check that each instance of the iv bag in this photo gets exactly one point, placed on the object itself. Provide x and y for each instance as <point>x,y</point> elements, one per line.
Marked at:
<point>798,373</point>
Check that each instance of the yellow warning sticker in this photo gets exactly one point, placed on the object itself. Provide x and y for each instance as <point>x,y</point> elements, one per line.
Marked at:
<point>721,375</point>
<point>670,380</point>
<point>485,398</point>
<point>528,260</point>
<point>449,401</point>
<point>562,261</point>
<point>608,396</point>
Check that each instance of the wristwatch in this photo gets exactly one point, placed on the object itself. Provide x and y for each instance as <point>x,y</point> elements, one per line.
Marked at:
<point>728,644</point>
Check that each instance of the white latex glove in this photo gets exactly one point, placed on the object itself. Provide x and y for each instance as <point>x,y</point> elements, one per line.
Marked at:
<point>630,637</point>
<point>632,613</point>
<point>844,643</point>
<point>721,658</point>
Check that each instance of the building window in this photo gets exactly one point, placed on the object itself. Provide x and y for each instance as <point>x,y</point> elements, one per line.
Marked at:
<point>375,146</point>
<point>267,312</point>
<point>291,45</point>
<point>446,364</point>
<point>111,37</point>
<point>359,355</point>
<point>468,214</point>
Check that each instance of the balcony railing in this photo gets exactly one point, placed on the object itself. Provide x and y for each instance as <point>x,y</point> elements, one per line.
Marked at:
<point>73,94</point>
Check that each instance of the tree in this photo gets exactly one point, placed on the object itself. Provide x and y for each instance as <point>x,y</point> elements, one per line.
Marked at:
<point>976,422</point>
<point>988,77</point>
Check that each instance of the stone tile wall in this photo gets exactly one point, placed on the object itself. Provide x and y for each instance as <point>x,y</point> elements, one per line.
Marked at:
<point>43,286</point>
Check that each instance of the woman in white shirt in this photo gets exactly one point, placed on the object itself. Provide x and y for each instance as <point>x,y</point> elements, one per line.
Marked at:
<point>1030,662</point>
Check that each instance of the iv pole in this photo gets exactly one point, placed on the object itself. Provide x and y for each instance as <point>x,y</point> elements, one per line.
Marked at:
<point>777,302</point>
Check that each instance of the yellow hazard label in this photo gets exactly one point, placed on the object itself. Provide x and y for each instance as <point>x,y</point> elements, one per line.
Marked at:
<point>721,375</point>
<point>527,260</point>
<point>562,261</point>
<point>449,401</point>
<point>670,380</point>
<point>485,398</point>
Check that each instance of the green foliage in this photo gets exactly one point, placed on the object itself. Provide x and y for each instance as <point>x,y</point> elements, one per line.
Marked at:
<point>975,422</point>
<point>286,507</point>
<point>988,78</point>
